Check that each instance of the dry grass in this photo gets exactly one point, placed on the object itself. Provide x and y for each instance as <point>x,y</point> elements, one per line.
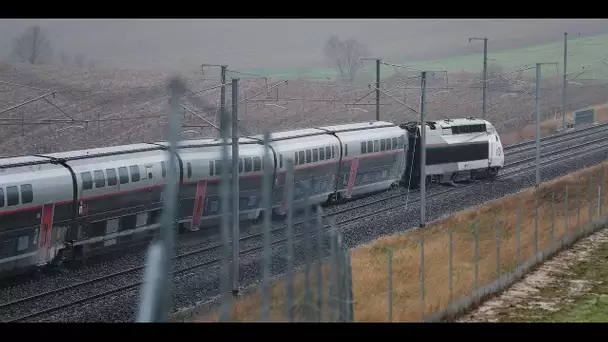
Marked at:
<point>551,126</point>
<point>370,262</point>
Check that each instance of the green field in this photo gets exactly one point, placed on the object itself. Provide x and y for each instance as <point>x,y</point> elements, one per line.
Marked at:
<point>581,51</point>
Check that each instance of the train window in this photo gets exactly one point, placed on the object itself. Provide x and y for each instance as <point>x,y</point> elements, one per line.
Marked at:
<point>280,160</point>
<point>218,167</point>
<point>257,163</point>
<point>328,152</point>
<point>100,179</point>
<point>162,166</point>
<point>189,166</point>
<point>248,165</point>
<point>308,156</point>
<point>370,147</point>
<point>1,197</point>
<point>322,153</point>
<point>111,173</point>
<point>295,159</point>
<point>240,164</point>
<point>315,155</point>
<point>27,193</point>
<point>211,168</point>
<point>496,136</point>
<point>23,243</point>
<point>333,151</point>
<point>401,142</point>
<point>134,173</point>
<point>376,146</point>
<point>301,158</point>
<point>87,180</point>
<point>388,144</point>
<point>123,175</point>
<point>382,145</point>
<point>363,147</point>
<point>12,196</point>
<point>345,149</point>
<point>395,144</point>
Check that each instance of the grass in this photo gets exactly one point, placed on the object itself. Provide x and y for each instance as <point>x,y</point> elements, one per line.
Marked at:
<point>590,305</point>
<point>593,306</point>
<point>370,262</point>
<point>582,51</point>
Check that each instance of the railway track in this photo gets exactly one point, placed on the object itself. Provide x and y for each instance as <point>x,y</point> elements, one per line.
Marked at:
<point>101,284</point>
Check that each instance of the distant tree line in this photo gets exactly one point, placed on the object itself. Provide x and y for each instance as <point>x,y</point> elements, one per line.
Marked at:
<point>34,47</point>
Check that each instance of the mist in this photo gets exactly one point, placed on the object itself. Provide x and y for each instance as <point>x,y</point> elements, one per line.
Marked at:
<point>265,43</point>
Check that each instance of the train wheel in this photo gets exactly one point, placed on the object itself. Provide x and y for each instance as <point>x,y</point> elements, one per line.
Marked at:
<point>492,172</point>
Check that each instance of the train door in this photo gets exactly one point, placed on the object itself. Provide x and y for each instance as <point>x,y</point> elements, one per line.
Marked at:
<point>46,223</point>
<point>492,146</point>
<point>149,180</point>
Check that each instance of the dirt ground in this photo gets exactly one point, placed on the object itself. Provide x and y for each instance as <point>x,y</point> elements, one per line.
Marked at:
<point>572,287</point>
<point>94,108</point>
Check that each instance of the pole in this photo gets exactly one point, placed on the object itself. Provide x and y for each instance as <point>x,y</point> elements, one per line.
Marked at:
<point>223,91</point>
<point>565,80</point>
<point>235,187</point>
<point>377,89</point>
<point>538,65</point>
<point>423,151</point>
<point>485,76</point>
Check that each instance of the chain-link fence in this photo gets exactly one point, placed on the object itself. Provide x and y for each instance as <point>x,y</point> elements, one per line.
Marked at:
<point>429,274</point>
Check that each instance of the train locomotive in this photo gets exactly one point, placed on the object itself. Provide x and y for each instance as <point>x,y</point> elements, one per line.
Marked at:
<point>73,204</point>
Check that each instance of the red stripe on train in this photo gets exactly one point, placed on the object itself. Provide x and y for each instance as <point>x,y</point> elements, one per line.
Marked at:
<point>215,179</point>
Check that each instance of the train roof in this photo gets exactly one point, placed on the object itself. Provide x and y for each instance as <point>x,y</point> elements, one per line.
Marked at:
<point>299,133</point>
<point>207,142</point>
<point>447,123</point>
<point>103,151</point>
<point>17,161</point>
<point>358,126</point>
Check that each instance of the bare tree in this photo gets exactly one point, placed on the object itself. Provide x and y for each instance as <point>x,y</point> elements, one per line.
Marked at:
<point>345,56</point>
<point>65,58</point>
<point>79,60</point>
<point>32,46</point>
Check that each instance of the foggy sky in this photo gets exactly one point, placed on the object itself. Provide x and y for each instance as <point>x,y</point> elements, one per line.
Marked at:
<point>257,43</point>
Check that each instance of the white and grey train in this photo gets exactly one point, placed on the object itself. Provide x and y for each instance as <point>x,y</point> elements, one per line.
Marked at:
<point>65,205</point>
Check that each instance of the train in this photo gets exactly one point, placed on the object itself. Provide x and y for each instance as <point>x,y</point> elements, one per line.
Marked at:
<point>71,205</point>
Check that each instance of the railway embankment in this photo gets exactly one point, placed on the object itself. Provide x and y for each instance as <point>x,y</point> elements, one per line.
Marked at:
<point>465,259</point>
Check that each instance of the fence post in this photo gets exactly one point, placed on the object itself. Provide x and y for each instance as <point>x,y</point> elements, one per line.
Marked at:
<point>422,294</point>
<point>497,228</point>
<point>599,201</point>
<point>349,283</point>
<point>333,267</point>
<point>566,218</point>
<point>552,215</point>
<point>289,183</point>
<point>476,252</point>
<point>517,233</point>
<point>320,262</point>
<point>307,253</point>
<point>600,193</point>
<point>578,209</point>
<point>451,266</point>
<point>536,220</point>
<point>390,285</point>
<point>266,198</point>
<point>589,197</point>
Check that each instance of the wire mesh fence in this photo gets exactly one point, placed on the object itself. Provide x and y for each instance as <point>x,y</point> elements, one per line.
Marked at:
<point>428,274</point>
